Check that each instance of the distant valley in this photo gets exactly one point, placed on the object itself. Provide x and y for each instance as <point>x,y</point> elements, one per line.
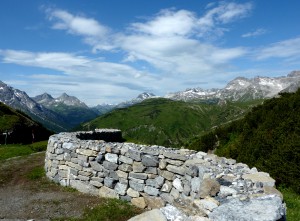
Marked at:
<point>67,112</point>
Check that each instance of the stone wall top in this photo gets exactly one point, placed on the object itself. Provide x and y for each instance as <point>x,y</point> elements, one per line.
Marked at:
<point>194,184</point>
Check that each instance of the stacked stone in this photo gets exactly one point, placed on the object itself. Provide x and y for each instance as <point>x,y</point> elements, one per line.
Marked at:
<point>197,184</point>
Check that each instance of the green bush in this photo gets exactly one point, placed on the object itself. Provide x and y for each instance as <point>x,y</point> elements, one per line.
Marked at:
<point>268,137</point>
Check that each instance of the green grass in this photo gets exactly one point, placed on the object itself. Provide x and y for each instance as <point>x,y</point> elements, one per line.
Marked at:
<point>15,150</point>
<point>36,173</point>
<point>108,210</point>
<point>111,210</point>
<point>292,201</point>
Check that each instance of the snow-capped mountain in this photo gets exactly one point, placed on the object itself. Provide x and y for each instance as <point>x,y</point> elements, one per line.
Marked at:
<point>193,94</point>
<point>48,101</point>
<point>242,89</point>
<point>104,108</point>
<point>145,95</point>
<point>20,100</point>
<point>141,97</point>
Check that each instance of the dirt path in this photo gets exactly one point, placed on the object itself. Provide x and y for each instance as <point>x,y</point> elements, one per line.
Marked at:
<point>26,198</point>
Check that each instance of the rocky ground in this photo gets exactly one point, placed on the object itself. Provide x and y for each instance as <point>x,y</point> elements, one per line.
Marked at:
<point>24,194</point>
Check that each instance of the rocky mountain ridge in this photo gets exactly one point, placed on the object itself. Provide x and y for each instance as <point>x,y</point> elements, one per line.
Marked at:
<point>48,101</point>
<point>243,89</point>
<point>54,113</point>
<point>21,101</point>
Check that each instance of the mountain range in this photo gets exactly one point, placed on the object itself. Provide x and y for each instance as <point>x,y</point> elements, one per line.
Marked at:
<point>243,89</point>
<point>65,112</point>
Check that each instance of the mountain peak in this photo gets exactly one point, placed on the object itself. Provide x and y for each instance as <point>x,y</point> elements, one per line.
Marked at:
<point>43,98</point>
<point>64,95</point>
<point>294,74</point>
<point>69,100</point>
<point>145,95</point>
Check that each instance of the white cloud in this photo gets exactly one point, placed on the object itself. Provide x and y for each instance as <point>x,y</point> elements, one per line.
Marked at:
<point>284,49</point>
<point>93,32</point>
<point>172,43</point>
<point>220,15</point>
<point>257,32</point>
<point>168,23</point>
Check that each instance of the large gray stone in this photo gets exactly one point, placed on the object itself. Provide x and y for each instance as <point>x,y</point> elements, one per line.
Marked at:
<point>175,169</point>
<point>268,208</point>
<point>152,215</point>
<point>173,214</point>
<point>140,176</point>
<point>96,166</point>
<point>109,182</point>
<point>125,167</point>
<point>126,160</point>
<point>260,177</point>
<point>111,157</point>
<point>108,193</point>
<point>134,154</point>
<point>151,191</point>
<point>157,182</point>
<point>139,202</point>
<point>167,175</point>
<point>84,187</point>
<point>109,165</point>
<point>122,174</point>
<point>175,156</point>
<point>136,186</point>
<point>195,184</point>
<point>178,184</point>
<point>154,202</point>
<point>167,186</point>
<point>209,187</point>
<point>132,193</point>
<point>149,160</point>
<point>227,191</point>
<point>68,146</point>
<point>121,188</point>
<point>138,167</point>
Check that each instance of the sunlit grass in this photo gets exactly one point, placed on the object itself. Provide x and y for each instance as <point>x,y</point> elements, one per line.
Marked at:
<point>14,150</point>
<point>292,200</point>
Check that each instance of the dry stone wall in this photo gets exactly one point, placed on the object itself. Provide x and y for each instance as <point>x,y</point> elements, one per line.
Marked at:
<point>179,184</point>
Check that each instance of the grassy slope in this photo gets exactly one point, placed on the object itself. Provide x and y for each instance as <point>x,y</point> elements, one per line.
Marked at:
<point>15,150</point>
<point>21,125</point>
<point>166,122</point>
<point>73,116</point>
<point>268,137</point>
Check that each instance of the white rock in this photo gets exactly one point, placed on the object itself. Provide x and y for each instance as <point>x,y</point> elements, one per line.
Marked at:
<point>152,215</point>
<point>178,184</point>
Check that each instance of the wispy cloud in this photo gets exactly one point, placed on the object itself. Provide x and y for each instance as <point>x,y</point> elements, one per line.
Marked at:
<point>289,49</point>
<point>93,32</point>
<point>223,13</point>
<point>257,32</point>
<point>175,46</point>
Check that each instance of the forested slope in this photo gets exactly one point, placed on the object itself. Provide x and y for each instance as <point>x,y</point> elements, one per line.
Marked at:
<point>268,137</point>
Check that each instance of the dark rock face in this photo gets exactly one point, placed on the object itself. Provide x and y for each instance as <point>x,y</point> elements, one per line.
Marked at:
<point>108,135</point>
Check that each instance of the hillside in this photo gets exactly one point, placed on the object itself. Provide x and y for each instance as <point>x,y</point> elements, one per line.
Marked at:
<point>268,138</point>
<point>166,122</point>
<point>19,127</point>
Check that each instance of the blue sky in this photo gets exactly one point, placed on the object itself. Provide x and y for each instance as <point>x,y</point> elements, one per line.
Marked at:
<point>110,51</point>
